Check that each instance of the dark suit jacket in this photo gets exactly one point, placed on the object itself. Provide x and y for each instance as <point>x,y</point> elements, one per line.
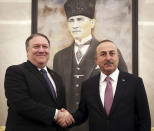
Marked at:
<point>31,106</point>
<point>129,111</point>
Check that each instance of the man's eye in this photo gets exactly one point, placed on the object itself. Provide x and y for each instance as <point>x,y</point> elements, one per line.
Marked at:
<point>80,19</point>
<point>36,47</point>
<point>102,54</point>
<point>112,53</point>
<point>70,20</point>
<point>45,47</point>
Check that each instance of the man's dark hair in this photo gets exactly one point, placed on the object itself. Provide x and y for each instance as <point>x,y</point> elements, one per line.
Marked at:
<point>34,35</point>
<point>105,41</point>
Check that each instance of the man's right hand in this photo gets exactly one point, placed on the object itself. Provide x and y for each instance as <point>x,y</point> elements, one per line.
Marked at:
<point>64,118</point>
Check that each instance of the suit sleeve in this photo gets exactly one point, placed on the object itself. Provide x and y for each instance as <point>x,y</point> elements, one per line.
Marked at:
<point>142,108</point>
<point>122,64</point>
<point>20,101</point>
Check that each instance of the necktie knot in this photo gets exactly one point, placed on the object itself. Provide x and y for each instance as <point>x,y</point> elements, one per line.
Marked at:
<point>108,78</point>
<point>43,71</point>
<point>81,45</point>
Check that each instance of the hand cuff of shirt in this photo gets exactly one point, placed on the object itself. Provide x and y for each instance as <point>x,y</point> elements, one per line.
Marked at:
<point>56,114</point>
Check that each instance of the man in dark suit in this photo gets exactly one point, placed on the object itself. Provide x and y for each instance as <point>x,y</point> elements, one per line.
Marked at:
<point>75,63</point>
<point>113,100</point>
<point>34,92</point>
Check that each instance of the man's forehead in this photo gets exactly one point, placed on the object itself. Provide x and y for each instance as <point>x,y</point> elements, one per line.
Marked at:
<point>78,16</point>
<point>38,39</point>
<point>106,46</point>
<point>107,50</point>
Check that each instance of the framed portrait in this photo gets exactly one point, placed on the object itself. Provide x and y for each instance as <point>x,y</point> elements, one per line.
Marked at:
<point>116,20</point>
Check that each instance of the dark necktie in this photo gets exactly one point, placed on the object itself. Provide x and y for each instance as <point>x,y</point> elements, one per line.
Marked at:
<point>108,97</point>
<point>79,53</point>
<point>44,73</point>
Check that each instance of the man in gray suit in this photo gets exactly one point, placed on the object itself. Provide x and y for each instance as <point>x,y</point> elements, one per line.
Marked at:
<point>76,62</point>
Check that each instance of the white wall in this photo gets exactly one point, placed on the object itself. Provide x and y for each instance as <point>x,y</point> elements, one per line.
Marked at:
<point>146,48</point>
<point>15,27</point>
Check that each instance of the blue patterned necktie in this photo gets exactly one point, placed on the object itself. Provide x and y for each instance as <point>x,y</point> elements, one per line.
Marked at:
<point>44,73</point>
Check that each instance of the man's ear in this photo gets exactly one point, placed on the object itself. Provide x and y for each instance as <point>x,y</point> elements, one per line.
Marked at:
<point>95,59</point>
<point>92,21</point>
<point>27,51</point>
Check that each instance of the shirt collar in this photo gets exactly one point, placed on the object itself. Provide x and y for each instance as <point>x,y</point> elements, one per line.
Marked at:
<point>45,68</point>
<point>84,40</point>
<point>114,76</point>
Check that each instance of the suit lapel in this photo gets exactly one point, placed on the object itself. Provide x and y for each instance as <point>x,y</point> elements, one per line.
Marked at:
<point>68,61</point>
<point>96,91</point>
<point>122,80</point>
<point>38,75</point>
<point>89,58</point>
<point>33,69</point>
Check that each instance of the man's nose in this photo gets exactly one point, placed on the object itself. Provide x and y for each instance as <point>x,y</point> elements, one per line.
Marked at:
<point>75,24</point>
<point>108,56</point>
<point>41,49</point>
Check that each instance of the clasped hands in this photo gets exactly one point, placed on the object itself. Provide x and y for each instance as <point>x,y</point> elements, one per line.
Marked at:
<point>64,118</point>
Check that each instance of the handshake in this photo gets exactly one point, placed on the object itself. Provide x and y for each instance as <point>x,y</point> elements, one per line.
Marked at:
<point>64,118</point>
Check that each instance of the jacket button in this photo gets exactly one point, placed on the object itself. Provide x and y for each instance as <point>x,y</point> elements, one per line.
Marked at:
<point>78,68</point>
<point>77,85</point>
<point>77,103</point>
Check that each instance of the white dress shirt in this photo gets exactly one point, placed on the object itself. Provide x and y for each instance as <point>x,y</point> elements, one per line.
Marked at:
<point>102,83</point>
<point>84,48</point>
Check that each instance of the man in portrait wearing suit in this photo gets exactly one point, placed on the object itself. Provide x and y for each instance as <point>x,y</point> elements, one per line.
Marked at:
<point>34,92</point>
<point>75,63</point>
<point>113,100</point>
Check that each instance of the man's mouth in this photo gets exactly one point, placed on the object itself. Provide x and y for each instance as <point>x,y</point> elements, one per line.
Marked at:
<point>108,63</point>
<point>76,31</point>
<point>41,55</point>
